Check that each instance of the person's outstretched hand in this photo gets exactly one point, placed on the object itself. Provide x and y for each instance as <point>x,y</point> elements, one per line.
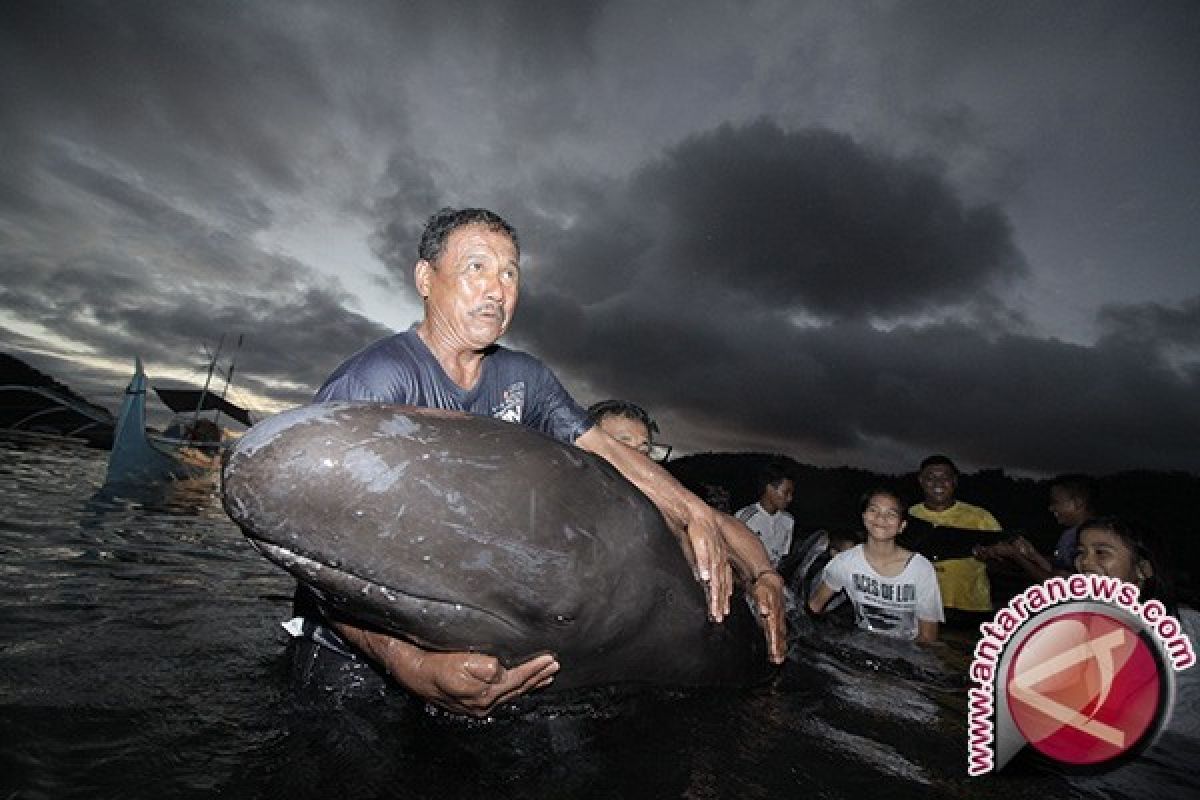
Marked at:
<point>767,593</point>
<point>704,545</point>
<point>463,683</point>
<point>474,683</point>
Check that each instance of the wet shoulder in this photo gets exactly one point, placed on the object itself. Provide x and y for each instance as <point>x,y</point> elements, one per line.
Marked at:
<point>372,373</point>
<point>516,364</point>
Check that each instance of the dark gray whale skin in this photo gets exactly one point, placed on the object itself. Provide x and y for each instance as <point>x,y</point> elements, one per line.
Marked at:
<point>469,533</point>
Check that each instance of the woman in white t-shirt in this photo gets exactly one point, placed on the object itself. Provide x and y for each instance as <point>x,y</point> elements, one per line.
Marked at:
<point>894,591</point>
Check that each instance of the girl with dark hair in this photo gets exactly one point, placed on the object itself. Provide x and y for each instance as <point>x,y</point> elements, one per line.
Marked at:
<point>894,591</point>
<point>1109,546</point>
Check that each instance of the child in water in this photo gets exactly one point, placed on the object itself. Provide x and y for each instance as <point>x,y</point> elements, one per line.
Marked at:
<point>1111,547</point>
<point>1108,546</point>
<point>894,591</point>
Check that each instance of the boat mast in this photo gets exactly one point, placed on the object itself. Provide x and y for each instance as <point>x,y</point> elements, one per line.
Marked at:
<point>232,361</point>
<point>212,364</point>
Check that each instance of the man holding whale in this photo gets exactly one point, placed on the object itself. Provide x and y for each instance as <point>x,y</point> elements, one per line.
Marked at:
<point>468,276</point>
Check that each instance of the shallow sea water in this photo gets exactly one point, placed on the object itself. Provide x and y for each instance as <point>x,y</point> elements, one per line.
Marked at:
<point>141,656</point>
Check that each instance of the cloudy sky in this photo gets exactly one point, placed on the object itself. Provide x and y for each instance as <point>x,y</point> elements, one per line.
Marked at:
<point>851,232</point>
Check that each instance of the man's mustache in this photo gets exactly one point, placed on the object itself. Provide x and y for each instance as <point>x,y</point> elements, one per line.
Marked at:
<point>490,309</point>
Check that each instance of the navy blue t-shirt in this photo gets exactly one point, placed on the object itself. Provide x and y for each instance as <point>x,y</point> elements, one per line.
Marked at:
<point>513,386</point>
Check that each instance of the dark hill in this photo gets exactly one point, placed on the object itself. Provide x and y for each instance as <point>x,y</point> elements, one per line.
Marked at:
<point>32,412</point>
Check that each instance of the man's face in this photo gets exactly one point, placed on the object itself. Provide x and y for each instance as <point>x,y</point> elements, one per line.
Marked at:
<point>938,483</point>
<point>629,432</point>
<point>471,291</point>
<point>1065,507</point>
<point>780,495</point>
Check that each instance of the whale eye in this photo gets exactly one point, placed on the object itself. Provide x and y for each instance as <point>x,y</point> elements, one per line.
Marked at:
<point>563,619</point>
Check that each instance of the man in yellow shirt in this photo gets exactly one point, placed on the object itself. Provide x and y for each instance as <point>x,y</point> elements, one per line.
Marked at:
<point>963,581</point>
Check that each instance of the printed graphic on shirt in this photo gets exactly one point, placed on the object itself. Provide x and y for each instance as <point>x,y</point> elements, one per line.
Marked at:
<point>886,606</point>
<point>513,400</point>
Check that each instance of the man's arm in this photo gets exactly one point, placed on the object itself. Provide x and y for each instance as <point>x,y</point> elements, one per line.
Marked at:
<point>1020,552</point>
<point>821,597</point>
<point>685,513</point>
<point>764,584</point>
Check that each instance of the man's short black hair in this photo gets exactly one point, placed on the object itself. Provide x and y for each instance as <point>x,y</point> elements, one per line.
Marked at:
<point>1077,486</point>
<point>446,220</point>
<point>938,460</point>
<point>621,408</point>
<point>772,474</point>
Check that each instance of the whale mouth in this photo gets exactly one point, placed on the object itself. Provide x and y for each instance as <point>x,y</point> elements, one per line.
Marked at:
<point>357,591</point>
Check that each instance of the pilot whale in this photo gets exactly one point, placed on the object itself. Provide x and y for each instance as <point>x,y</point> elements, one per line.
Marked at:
<point>461,532</point>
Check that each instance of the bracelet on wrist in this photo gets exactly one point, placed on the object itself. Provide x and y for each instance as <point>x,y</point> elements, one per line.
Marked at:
<point>765,571</point>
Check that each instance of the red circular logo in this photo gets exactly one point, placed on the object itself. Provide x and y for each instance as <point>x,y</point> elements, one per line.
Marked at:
<point>1084,688</point>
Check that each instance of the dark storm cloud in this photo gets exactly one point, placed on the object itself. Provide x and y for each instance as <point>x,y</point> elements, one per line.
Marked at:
<point>296,339</point>
<point>149,223</point>
<point>293,338</point>
<point>91,272</point>
<point>800,283</point>
<point>152,81</point>
<point>991,398</point>
<point>760,281</point>
<point>411,194</point>
<point>143,143</point>
<point>800,291</point>
<point>758,221</point>
<point>806,221</point>
<point>1150,323</point>
<point>813,220</point>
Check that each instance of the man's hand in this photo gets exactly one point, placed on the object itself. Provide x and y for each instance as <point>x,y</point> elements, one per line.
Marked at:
<point>705,546</point>
<point>994,552</point>
<point>767,593</point>
<point>474,684</point>
<point>764,584</point>
<point>687,516</point>
<point>464,683</point>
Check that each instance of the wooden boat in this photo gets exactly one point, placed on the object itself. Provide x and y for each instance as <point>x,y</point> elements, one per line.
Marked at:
<point>189,448</point>
<point>35,407</point>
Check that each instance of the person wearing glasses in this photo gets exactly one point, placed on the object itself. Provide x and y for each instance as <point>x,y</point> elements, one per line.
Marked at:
<point>894,591</point>
<point>630,425</point>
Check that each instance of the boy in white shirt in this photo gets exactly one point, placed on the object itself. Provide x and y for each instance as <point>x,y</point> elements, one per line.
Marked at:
<point>768,518</point>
